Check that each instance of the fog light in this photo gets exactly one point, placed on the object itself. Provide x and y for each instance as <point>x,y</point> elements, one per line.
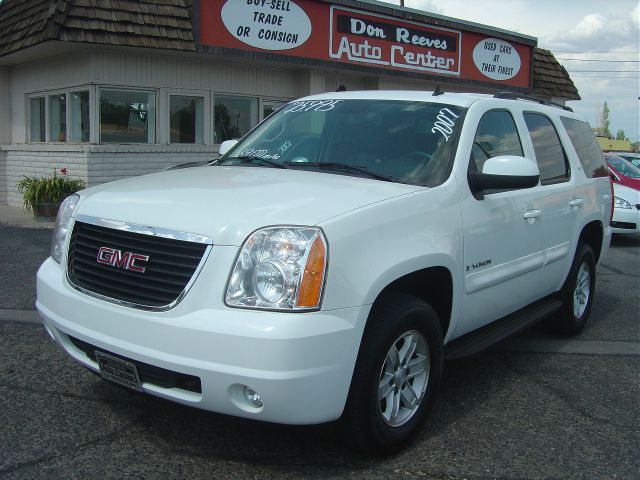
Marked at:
<point>252,397</point>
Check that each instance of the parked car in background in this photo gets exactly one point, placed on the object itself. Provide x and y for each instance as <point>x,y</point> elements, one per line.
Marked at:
<point>623,172</point>
<point>634,158</point>
<point>626,211</point>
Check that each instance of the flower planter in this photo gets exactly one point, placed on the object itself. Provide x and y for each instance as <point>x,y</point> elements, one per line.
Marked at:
<point>45,211</point>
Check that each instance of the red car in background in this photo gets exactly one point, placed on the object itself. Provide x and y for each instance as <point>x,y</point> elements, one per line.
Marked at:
<point>623,172</point>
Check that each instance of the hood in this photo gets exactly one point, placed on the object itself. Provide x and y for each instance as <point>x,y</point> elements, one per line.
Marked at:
<point>228,203</point>
<point>629,194</point>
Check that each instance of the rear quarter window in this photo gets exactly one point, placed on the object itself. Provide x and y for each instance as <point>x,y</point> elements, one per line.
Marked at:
<point>586,146</point>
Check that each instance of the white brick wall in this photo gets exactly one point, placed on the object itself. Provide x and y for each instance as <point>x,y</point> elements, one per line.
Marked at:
<point>3,178</point>
<point>95,164</point>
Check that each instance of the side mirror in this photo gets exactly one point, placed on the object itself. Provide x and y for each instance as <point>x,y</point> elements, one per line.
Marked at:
<point>506,172</point>
<point>226,146</point>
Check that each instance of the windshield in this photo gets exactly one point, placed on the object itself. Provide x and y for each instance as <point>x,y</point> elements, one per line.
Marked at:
<point>624,167</point>
<point>399,141</point>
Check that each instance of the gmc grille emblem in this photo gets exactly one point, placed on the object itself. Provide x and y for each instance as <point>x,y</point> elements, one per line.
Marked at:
<point>126,260</point>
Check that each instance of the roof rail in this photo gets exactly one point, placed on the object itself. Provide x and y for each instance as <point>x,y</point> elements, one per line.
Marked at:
<point>521,96</point>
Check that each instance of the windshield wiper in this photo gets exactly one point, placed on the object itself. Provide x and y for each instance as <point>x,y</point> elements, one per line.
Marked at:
<point>341,167</point>
<point>252,158</point>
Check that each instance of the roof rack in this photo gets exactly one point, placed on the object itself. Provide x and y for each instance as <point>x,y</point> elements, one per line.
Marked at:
<point>520,96</point>
<point>437,91</point>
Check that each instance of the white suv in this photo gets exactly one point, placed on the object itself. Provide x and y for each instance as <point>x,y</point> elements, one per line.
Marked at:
<point>324,266</point>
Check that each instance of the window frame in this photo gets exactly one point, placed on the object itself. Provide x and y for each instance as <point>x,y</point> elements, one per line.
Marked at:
<point>475,134</point>
<point>42,95</point>
<point>264,101</point>
<point>567,164</point>
<point>98,113</point>
<point>46,94</point>
<point>207,115</point>
<point>215,94</point>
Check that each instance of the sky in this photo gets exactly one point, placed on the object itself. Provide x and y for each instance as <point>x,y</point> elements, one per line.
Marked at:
<point>597,41</point>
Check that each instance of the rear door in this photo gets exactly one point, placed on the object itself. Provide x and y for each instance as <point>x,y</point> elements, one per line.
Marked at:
<point>560,202</point>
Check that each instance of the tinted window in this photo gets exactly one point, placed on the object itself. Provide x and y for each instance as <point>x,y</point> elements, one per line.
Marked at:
<point>496,135</point>
<point>552,161</point>
<point>586,146</point>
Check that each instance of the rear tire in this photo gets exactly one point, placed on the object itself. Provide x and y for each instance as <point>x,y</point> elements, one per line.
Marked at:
<point>396,377</point>
<point>576,294</point>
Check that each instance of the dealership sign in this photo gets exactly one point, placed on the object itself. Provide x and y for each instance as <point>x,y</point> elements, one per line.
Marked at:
<point>272,25</point>
<point>331,34</point>
<point>372,39</point>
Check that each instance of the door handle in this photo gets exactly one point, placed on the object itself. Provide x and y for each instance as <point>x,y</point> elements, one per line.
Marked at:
<point>575,203</point>
<point>531,215</point>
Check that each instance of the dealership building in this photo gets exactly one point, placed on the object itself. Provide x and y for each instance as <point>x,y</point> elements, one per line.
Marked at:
<point>115,88</point>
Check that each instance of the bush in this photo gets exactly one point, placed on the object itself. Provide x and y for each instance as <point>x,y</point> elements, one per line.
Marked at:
<point>50,190</point>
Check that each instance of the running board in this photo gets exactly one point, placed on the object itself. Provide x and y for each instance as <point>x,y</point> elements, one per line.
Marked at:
<point>484,337</point>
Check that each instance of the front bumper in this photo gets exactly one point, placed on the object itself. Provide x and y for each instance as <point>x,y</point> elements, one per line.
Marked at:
<point>626,220</point>
<point>300,363</point>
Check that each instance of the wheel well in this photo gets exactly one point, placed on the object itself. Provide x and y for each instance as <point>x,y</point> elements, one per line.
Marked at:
<point>592,235</point>
<point>434,285</point>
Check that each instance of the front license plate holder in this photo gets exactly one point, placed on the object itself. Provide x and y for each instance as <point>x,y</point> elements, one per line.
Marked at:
<point>118,370</point>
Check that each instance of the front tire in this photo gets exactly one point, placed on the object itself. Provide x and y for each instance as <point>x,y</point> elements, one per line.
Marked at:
<point>576,294</point>
<point>396,377</point>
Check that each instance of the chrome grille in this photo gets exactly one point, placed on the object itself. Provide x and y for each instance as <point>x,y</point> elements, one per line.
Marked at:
<point>168,272</point>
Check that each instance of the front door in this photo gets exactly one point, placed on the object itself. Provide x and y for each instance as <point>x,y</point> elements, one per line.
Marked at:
<point>503,245</point>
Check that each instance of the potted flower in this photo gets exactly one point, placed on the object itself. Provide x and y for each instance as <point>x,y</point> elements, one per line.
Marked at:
<point>43,195</point>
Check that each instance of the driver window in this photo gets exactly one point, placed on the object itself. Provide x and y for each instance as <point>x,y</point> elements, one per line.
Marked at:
<point>496,135</point>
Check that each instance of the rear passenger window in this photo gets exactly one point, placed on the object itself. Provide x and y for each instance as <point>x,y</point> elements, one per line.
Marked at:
<point>552,161</point>
<point>586,146</point>
<point>496,135</point>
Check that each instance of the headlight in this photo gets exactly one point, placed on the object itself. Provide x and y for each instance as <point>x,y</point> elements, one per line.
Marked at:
<point>620,203</point>
<point>279,268</point>
<point>63,220</point>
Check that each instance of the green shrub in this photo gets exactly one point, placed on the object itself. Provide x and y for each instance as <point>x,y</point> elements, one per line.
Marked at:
<point>47,190</point>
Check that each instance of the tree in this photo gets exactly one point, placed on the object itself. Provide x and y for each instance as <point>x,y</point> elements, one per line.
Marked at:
<point>620,135</point>
<point>603,121</point>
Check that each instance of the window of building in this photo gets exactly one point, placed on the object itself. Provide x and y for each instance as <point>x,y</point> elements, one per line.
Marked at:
<point>586,146</point>
<point>552,161</point>
<point>186,119</point>
<point>58,117</point>
<point>80,124</point>
<point>270,106</point>
<point>234,116</point>
<point>127,116</point>
<point>37,124</point>
<point>496,135</point>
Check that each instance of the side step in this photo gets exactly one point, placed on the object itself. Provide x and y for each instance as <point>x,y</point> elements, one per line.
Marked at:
<point>484,337</point>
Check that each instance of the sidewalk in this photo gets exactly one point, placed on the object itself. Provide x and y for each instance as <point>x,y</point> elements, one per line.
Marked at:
<point>17,217</point>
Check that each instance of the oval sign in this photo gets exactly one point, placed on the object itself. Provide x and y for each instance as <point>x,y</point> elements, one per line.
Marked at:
<point>496,59</point>
<point>267,24</point>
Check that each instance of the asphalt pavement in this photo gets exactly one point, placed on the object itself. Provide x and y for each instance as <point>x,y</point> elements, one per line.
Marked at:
<point>533,407</point>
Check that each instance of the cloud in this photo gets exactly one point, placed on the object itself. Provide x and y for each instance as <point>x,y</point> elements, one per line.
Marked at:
<point>597,32</point>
